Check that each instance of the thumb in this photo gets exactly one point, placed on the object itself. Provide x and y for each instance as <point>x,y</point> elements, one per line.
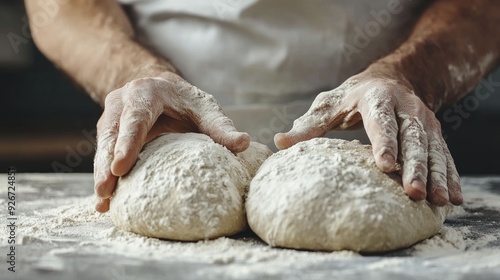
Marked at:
<point>316,122</point>
<point>304,128</point>
<point>210,120</point>
<point>221,129</point>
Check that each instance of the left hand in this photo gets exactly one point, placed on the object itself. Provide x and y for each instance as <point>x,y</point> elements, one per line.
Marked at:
<point>145,108</point>
<point>399,126</point>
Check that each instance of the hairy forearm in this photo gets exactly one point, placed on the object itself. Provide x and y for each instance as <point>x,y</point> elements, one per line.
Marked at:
<point>93,42</point>
<point>453,44</point>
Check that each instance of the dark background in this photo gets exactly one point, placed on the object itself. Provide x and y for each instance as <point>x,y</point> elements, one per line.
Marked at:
<point>46,120</point>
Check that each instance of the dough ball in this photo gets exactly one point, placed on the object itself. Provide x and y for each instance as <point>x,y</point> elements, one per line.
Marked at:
<point>328,194</point>
<point>186,187</point>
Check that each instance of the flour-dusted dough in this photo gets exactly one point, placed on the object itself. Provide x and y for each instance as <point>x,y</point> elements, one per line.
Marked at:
<point>186,187</point>
<point>328,194</point>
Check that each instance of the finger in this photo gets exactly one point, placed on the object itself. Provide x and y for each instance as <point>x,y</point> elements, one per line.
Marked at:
<point>165,124</point>
<point>454,186</point>
<point>316,122</point>
<point>438,187</point>
<point>102,205</point>
<point>107,131</point>
<point>352,121</point>
<point>413,143</point>
<point>382,129</point>
<point>135,123</point>
<point>211,121</point>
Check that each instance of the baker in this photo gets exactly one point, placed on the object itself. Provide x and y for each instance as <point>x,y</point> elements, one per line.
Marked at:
<point>167,65</point>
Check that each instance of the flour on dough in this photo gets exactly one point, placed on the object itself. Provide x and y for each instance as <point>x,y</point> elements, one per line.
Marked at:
<point>328,194</point>
<point>186,187</point>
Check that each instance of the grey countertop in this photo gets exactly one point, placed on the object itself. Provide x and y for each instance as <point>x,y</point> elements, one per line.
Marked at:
<point>75,249</point>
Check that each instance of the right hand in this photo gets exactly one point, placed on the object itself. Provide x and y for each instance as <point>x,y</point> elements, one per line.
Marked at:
<point>400,128</point>
<point>145,108</point>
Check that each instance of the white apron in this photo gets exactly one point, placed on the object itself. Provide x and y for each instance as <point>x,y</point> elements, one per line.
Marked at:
<point>261,51</point>
<point>248,52</point>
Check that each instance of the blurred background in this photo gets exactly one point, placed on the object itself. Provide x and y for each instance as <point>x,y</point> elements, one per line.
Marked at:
<point>47,123</point>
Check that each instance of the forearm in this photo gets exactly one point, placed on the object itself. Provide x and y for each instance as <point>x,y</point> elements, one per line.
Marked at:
<point>93,42</point>
<point>453,44</point>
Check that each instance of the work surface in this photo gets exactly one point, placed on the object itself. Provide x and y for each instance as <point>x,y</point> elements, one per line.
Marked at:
<point>59,236</point>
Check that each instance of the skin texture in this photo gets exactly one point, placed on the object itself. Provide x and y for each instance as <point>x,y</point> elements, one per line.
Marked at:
<point>143,94</point>
<point>396,96</point>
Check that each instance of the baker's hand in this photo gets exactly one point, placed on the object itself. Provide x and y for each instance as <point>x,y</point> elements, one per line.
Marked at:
<point>145,108</point>
<point>400,127</point>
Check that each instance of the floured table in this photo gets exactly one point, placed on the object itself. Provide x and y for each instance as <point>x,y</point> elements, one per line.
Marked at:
<point>60,236</point>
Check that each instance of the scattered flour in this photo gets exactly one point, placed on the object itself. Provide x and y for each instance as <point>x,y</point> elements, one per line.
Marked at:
<point>69,226</point>
<point>447,241</point>
<point>84,231</point>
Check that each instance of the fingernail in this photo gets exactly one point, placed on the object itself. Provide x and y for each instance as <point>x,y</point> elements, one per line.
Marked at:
<point>388,161</point>
<point>240,136</point>
<point>418,185</point>
<point>239,141</point>
<point>97,199</point>
<point>278,141</point>
<point>459,199</point>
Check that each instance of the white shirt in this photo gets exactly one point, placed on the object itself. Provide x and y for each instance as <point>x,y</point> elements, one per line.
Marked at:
<point>271,51</point>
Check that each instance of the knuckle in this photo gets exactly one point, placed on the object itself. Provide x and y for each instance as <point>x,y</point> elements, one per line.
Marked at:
<point>209,98</point>
<point>413,131</point>
<point>322,96</point>
<point>323,102</point>
<point>201,99</point>
<point>112,98</point>
<point>106,138</point>
<point>144,91</point>
<point>100,124</point>
<point>205,96</point>
<point>139,83</point>
<point>383,117</point>
<point>384,95</point>
<point>378,104</point>
<point>105,120</point>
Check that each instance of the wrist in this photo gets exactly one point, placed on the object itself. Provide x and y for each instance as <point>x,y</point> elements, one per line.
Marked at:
<point>404,70</point>
<point>147,67</point>
<point>155,67</point>
<point>384,70</point>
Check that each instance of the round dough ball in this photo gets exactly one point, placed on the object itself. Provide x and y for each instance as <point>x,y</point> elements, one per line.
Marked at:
<point>186,187</point>
<point>328,194</point>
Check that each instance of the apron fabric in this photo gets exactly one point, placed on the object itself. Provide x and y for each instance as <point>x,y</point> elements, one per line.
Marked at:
<point>271,51</point>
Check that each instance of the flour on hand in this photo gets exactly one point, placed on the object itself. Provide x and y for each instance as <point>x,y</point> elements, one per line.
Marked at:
<point>328,194</point>
<point>186,187</point>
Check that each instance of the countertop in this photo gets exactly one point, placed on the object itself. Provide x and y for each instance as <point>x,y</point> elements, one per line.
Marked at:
<point>58,236</point>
